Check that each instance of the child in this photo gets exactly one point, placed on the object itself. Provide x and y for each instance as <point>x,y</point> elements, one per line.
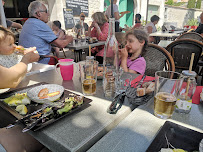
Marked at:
<point>7,56</point>
<point>56,27</point>
<point>131,56</point>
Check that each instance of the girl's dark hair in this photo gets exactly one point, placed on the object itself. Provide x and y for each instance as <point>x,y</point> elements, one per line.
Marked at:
<point>154,18</point>
<point>57,23</point>
<point>141,35</point>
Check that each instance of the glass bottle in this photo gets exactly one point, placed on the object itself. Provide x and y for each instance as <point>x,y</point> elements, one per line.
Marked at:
<point>186,91</point>
<point>110,61</point>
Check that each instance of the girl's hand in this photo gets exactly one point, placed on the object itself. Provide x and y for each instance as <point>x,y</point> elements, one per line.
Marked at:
<point>123,53</point>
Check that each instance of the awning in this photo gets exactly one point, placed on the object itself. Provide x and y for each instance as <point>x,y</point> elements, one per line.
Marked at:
<point>3,18</point>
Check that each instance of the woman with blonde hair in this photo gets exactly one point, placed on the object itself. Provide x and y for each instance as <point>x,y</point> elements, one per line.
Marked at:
<point>99,29</point>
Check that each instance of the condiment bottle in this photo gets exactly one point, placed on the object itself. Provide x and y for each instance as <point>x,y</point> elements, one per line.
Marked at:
<point>187,89</point>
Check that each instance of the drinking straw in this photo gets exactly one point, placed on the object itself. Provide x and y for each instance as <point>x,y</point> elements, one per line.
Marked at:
<point>89,50</point>
<point>190,69</point>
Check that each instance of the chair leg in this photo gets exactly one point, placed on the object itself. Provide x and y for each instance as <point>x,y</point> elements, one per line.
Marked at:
<point>64,53</point>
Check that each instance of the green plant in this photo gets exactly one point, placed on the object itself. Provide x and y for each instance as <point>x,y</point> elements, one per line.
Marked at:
<point>169,2</point>
<point>191,4</point>
<point>179,3</point>
<point>198,4</point>
<point>193,22</point>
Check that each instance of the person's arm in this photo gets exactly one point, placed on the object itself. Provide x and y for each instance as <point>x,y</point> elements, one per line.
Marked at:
<point>16,25</point>
<point>61,35</point>
<point>63,43</point>
<point>149,29</point>
<point>118,16</point>
<point>102,34</point>
<point>124,57</point>
<point>11,77</point>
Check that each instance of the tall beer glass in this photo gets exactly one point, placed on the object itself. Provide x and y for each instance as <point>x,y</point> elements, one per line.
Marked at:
<point>166,90</point>
<point>88,74</point>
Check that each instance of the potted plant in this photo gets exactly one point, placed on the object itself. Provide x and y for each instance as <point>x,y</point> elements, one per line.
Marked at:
<point>192,23</point>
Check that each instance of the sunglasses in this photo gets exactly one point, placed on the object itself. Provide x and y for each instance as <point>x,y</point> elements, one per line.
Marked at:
<point>82,16</point>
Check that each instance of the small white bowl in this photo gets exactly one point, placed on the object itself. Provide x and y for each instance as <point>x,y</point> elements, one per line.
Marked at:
<point>33,93</point>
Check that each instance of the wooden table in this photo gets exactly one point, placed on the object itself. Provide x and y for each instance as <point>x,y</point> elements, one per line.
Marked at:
<point>79,46</point>
<point>83,128</point>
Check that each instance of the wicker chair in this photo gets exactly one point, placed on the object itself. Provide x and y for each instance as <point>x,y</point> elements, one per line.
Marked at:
<point>191,35</point>
<point>181,51</point>
<point>157,59</point>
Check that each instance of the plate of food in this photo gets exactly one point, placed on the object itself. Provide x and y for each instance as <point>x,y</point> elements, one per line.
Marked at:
<point>34,115</point>
<point>175,138</point>
<point>92,40</point>
<point>45,93</point>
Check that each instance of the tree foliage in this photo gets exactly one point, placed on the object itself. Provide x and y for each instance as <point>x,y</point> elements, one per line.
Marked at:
<point>169,2</point>
<point>191,4</point>
<point>198,4</point>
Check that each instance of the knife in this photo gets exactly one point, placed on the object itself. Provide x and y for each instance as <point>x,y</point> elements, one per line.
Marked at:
<point>34,123</point>
<point>26,117</point>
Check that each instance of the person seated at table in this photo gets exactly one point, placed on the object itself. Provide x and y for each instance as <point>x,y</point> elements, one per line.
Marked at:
<point>8,57</point>
<point>60,33</point>
<point>99,29</point>
<point>131,59</point>
<point>151,28</point>
<point>200,27</point>
<point>13,139</point>
<point>78,26</point>
<point>36,32</point>
<point>137,22</point>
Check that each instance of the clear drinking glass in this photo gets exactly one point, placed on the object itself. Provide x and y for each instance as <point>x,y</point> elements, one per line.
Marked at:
<point>88,74</point>
<point>166,90</point>
<point>123,82</point>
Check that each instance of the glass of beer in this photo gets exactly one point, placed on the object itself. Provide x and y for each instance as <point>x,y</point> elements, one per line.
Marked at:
<point>88,74</point>
<point>166,90</point>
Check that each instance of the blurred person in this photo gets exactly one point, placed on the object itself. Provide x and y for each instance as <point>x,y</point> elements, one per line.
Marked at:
<point>131,59</point>
<point>151,28</point>
<point>200,27</point>
<point>82,19</point>
<point>117,15</point>
<point>60,34</point>
<point>36,32</point>
<point>10,23</point>
<point>137,22</point>
<point>99,29</point>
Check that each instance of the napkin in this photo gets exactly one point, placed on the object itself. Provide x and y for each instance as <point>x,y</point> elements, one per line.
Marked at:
<point>196,96</point>
<point>137,80</point>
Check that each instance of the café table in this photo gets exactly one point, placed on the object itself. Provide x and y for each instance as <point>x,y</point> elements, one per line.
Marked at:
<point>166,35</point>
<point>164,43</point>
<point>140,127</point>
<point>83,128</point>
<point>79,46</point>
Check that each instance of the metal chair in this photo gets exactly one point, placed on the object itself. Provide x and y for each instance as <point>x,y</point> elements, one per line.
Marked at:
<point>181,51</point>
<point>157,59</point>
<point>191,35</point>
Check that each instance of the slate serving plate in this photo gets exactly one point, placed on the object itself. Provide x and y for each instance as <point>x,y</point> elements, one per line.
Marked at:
<point>178,136</point>
<point>35,106</point>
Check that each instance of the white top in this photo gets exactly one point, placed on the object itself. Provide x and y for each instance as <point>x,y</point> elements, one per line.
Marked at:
<point>152,25</point>
<point>108,11</point>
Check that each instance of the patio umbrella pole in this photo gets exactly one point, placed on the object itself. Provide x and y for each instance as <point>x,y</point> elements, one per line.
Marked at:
<point>3,18</point>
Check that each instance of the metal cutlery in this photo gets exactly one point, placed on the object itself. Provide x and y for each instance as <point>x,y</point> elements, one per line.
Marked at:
<point>34,123</point>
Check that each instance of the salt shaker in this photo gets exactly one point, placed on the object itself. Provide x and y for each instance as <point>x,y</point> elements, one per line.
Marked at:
<point>186,90</point>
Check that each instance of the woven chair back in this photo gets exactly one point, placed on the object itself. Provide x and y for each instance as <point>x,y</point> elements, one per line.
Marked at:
<point>157,59</point>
